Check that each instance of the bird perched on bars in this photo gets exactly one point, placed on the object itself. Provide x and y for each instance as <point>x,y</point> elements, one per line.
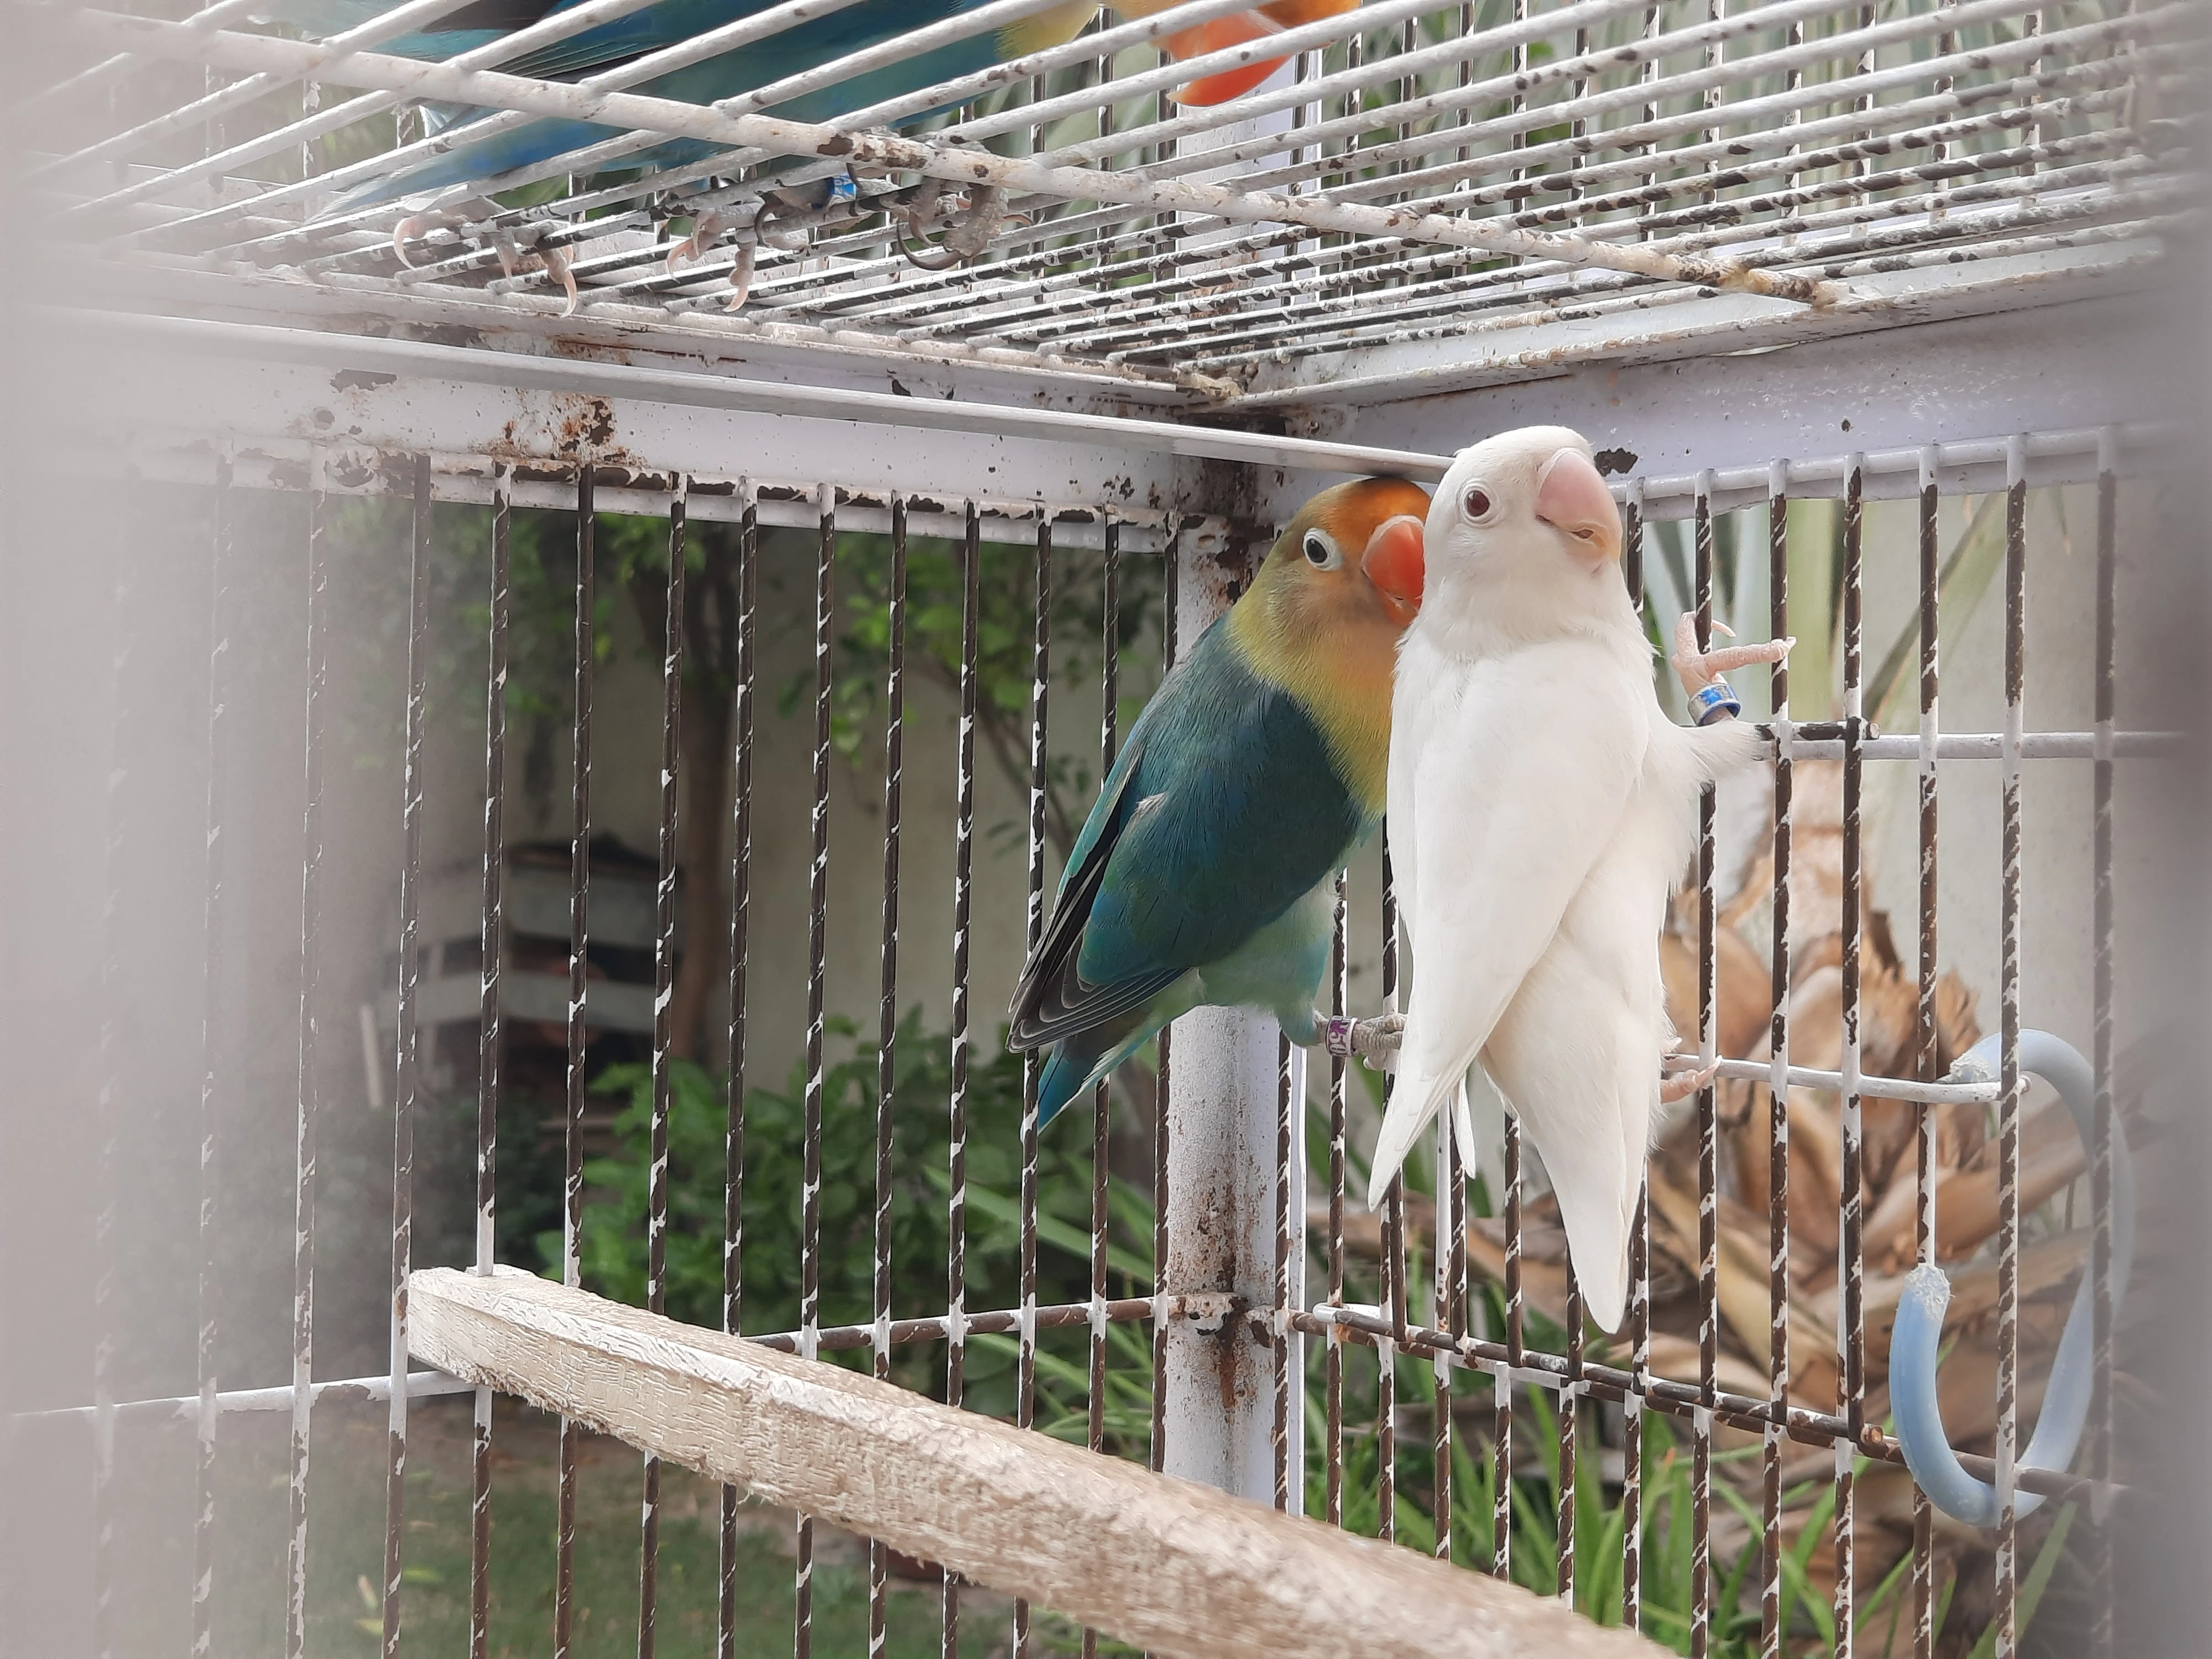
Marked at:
<point>1542,804</point>
<point>796,50</point>
<point>1206,872</point>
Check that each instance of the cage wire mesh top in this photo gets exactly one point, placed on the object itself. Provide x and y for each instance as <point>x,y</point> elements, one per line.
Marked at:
<point>1115,199</point>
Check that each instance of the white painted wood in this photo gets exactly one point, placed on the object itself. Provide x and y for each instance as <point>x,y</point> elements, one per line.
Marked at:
<point>1174,1565</point>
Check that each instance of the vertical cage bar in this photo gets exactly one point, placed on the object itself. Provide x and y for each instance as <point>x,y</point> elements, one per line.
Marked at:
<point>964,864</point>
<point>409,1069</point>
<point>1163,1078</point>
<point>1109,731</point>
<point>2101,1542</point>
<point>1771,1633</point>
<point>1441,1268</point>
<point>1394,1254</point>
<point>1569,1415</point>
<point>487,1040</point>
<point>106,1098</point>
<point>1501,1375</point>
<point>1333,1360</point>
<point>1040,761</point>
<point>1286,1126</point>
<point>303,1165</point>
<point>817,969</point>
<point>2007,1582</point>
<point>733,1107</point>
<point>572,1195</point>
<point>1851,1222</point>
<point>215,913</point>
<point>1701,1451</point>
<point>887,1022</point>
<point>663,992</point>
<point>1639,1237</point>
<point>1926,1059</point>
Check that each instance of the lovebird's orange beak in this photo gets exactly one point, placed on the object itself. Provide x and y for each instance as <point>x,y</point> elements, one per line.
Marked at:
<point>1393,563</point>
<point>1240,29</point>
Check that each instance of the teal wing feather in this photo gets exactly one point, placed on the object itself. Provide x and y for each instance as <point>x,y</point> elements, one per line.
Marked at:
<point>1222,812</point>
<point>793,50</point>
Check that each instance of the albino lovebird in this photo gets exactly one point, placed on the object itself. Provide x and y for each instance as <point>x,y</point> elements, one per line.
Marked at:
<point>1206,873</point>
<point>1541,807</point>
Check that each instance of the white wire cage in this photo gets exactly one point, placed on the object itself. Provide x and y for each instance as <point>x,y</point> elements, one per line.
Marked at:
<point>1046,305</point>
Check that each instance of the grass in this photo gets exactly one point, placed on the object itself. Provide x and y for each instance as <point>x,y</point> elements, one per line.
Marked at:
<point>346,1551</point>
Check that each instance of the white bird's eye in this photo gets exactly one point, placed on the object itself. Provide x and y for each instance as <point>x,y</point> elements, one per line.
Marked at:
<point>1321,552</point>
<point>1475,504</point>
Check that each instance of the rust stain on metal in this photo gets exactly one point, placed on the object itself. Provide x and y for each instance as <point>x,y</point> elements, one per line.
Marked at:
<point>586,422</point>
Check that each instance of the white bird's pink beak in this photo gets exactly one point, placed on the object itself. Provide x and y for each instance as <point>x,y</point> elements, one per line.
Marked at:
<point>1571,496</point>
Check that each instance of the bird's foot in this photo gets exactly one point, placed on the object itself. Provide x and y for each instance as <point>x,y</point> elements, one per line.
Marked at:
<point>513,260</point>
<point>1698,669</point>
<point>1374,1041</point>
<point>1681,1084</point>
<point>967,234</point>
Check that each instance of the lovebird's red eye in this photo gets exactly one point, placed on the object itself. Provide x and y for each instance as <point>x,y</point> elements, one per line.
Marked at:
<point>1476,502</point>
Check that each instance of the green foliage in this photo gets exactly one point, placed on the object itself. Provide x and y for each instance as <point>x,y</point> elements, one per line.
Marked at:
<point>1004,644</point>
<point>613,1243</point>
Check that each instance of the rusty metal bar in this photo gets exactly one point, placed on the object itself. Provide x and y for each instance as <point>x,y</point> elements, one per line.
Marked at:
<point>1771,1633</point>
<point>1639,1237</point>
<point>2102,1547</point>
<point>580,867</point>
<point>304,1149</point>
<point>887,1019</point>
<point>215,916</point>
<point>1040,763</point>
<point>106,1197</point>
<point>408,1082</point>
<point>1501,1431</point>
<point>963,867</point>
<point>1701,1444</point>
<point>733,1128</point>
<point>817,972</point>
<point>1852,1220</point>
<point>1332,1360</point>
<point>2009,960</point>
<point>1928,1058</point>
<point>1109,683</point>
<point>664,990</point>
<point>1289,1234</point>
<point>1162,1076</point>
<point>1394,1256</point>
<point>1448,1249</point>
<point>489,1032</point>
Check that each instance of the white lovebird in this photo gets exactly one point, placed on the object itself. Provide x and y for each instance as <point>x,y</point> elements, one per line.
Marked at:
<point>1542,806</point>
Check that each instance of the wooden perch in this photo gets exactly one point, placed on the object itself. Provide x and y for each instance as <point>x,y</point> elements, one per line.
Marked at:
<point>1174,1566</point>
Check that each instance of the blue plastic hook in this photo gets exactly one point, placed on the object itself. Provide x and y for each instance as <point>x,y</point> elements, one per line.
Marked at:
<point>1918,1335</point>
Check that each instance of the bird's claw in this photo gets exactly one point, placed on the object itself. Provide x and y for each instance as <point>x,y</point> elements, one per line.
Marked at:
<point>514,260</point>
<point>1698,669</point>
<point>706,230</point>
<point>1375,1041</point>
<point>417,226</point>
<point>1680,1085</point>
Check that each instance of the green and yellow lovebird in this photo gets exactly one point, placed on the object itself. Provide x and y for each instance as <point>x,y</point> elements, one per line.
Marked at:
<point>1204,874</point>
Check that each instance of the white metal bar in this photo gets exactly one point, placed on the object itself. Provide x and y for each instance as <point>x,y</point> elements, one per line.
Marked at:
<point>491,89</point>
<point>186,1408</point>
<point>235,340</point>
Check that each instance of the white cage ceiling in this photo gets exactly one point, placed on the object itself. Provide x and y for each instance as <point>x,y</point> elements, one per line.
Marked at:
<point>1421,197</point>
